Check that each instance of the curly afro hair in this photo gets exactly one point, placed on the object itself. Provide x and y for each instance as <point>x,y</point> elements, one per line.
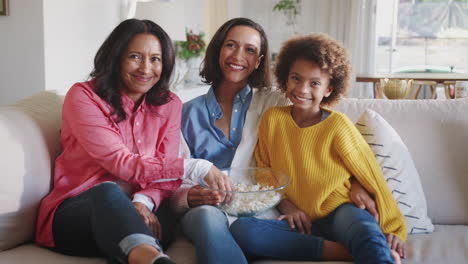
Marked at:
<point>322,50</point>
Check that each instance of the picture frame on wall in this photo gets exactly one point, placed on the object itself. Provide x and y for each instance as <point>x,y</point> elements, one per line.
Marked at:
<point>3,7</point>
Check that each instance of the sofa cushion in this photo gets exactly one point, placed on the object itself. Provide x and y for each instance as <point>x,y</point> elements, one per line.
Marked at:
<point>436,134</point>
<point>30,253</point>
<point>398,169</point>
<point>29,133</point>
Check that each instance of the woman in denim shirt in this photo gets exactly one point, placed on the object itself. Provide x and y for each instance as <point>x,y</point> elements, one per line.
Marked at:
<point>221,127</point>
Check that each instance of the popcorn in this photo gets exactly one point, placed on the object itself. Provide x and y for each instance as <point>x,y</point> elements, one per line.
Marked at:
<point>245,203</point>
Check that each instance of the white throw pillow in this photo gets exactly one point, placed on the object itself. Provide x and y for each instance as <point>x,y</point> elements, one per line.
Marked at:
<point>398,169</point>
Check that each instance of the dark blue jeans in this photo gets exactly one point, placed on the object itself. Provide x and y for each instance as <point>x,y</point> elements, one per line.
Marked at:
<point>102,222</point>
<point>353,227</point>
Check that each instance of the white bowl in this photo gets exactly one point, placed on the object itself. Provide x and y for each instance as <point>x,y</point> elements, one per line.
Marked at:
<point>256,190</point>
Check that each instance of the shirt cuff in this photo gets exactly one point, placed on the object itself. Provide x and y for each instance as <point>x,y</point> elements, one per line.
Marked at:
<point>141,198</point>
<point>194,169</point>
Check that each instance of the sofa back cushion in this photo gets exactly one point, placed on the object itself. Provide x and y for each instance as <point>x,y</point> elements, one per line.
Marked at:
<point>436,134</point>
<point>29,140</point>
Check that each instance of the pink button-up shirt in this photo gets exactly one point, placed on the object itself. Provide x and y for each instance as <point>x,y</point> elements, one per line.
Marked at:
<point>139,150</point>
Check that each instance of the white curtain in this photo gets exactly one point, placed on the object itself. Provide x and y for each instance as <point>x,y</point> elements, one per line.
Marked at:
<point>350,21</point>
<point>215,14</point>
<point>353,23</point>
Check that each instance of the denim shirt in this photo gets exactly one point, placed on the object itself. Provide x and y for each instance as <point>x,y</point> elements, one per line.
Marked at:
<point>204,139</point>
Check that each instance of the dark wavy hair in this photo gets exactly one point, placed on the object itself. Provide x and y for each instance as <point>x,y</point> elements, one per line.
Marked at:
<point>319,49</point>
<point>211,71</point>
<point>109,57</point>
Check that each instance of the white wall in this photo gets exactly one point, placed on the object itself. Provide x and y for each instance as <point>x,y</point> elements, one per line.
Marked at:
<point>194,15</point>
<point>50,44</point>
<point>73,32</point>
<point>22,46</point>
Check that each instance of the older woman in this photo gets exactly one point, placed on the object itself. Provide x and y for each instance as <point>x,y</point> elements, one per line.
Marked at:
<point>120,138</point>
<point>221,126</point>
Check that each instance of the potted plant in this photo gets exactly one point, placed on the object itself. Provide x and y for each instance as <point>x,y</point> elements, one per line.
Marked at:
<point>291,9</point>
<point>191,51</point>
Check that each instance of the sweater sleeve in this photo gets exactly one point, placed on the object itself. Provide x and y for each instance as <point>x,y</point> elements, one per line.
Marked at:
<point>361,162</point>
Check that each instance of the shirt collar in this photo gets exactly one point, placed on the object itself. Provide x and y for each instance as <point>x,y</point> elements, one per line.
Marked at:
<point>213,105</point>
<point>128,103</point>
<point>244,93</point>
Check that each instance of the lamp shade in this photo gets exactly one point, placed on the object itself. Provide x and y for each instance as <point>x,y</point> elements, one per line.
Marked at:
<point>168,14</point>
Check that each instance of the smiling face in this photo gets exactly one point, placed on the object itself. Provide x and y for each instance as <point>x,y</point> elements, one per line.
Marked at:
<point>240,54</point>
<point>141,65</point>
<point>307,85</point>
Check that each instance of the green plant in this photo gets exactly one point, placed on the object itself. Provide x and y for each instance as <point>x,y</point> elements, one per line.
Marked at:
<point>194,46</point>
<point>293,6</point>
<point>290,8</point>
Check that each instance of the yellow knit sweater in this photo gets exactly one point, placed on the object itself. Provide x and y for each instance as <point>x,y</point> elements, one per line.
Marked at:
<point>320,160</point>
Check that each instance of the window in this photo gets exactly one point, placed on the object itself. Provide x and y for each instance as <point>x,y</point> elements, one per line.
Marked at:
<point>422,36</point>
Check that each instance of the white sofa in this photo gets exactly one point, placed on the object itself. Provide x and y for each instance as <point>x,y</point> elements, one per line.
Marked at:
<point>435,131</point>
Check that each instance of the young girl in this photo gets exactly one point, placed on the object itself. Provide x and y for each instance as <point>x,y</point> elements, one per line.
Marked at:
<point>320,149</point>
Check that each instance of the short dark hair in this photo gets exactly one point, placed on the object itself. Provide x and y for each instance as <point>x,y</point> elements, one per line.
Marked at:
<point>109,57</point>
<point>211,71</point>
<point>322,50</point>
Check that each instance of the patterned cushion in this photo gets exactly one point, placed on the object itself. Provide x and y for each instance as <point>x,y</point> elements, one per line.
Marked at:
<point>398,169</point>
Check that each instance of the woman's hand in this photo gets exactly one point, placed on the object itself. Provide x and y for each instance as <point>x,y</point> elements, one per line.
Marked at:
<point>296,218</point>
<point>197,195</point>
<point>150,219</point>
<point>395,243</point>
<point>362,199</point>
<point>216,179</point>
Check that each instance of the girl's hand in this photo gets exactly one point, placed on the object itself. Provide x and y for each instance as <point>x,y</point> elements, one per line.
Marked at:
<point>197,195</point>
<point>362,199</point>
<point>395,243</point>
<point>296,218</point>
<point>150,219</point>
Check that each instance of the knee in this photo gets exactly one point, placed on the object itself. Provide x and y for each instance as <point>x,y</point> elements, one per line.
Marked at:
<point>351,219</point>
<point>366,231</point>
<point>244,231</point>
<point>205,215</point>
<point>242,225</point>
<point>108,192</point>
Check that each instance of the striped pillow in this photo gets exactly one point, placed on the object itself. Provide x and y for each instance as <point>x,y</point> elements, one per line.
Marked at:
<point>398,169</point>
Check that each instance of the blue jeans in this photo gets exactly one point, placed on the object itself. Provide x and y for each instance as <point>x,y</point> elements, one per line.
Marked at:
<point>208,229</point>
<point>353,227</point>
<point>102,222</point>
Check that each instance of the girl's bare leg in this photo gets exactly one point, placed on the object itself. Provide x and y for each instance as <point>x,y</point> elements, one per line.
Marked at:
<point>335,251</point>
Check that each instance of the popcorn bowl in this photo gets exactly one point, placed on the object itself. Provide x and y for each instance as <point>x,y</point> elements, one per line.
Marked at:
<point>255,190</point>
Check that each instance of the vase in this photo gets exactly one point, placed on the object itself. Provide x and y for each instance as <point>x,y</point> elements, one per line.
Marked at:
<point>178,75</point>
<point>193,70</point>
<point>395,88</point>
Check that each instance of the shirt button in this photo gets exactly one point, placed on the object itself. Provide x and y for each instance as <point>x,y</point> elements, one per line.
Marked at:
<point>139,141</point>
<point>235,110</point>
<point>137,123</point>
<point>212,114</point>
<point>234,129</point>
